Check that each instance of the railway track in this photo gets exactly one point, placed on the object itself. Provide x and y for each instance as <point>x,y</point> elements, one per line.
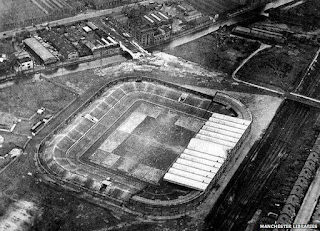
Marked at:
<point>311,83</point>
<point>245,193</point>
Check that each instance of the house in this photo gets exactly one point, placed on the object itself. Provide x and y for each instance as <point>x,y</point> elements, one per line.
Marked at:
<point>24,62</point>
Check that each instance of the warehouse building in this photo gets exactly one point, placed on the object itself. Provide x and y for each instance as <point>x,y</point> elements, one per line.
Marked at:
<point>37,49</point>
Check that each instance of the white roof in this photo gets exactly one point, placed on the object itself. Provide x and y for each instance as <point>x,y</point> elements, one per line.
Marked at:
<point>111,40</point>
<point>207,147</point>
<point>204,156</point>
<point>190,175</point>
<point>230,118</point>
<point>86,29</point>
<point>197,159</point>
<point>206,152</point>
<point>224,127</point>
<point>173,178</point>
<point>163,15</point>
<point>225,144</point>
<point>228,123</point>
<point>39,49</point>
<point>218,136</point>
<point>193,170</point>
<point>149,19</point>
<point>200,166</point>
<point>156,17</point>
<point>221,131</point>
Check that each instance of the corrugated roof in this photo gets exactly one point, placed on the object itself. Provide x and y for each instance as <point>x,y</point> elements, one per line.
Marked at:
<point>207,147</point>
<point>206,152</point>
<point>163,15</point>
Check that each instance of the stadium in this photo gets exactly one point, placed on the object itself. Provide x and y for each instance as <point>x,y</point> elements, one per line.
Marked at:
<point>147,146</point>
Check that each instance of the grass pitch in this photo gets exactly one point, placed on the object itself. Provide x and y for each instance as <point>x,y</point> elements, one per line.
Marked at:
<point>147,141</point>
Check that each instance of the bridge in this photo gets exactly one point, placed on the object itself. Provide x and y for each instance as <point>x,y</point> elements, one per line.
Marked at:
<point>302,99</point>
<point>142,52</point>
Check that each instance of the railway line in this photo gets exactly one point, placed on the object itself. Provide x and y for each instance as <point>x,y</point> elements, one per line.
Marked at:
<point>310,82</point>
<point>244,194</point>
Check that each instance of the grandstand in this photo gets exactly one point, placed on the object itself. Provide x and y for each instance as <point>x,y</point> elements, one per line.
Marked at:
<point>207,151</point>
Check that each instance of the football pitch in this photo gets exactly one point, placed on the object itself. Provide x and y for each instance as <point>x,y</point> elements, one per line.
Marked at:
<point>146,141</point>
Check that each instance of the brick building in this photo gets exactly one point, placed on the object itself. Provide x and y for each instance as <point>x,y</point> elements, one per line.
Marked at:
<point>146,24</point>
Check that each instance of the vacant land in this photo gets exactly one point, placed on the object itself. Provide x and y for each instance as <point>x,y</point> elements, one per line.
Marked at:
<point>81,81</point>
<point>279,67</point>
<point>24,98</point>
<point>216,51</point>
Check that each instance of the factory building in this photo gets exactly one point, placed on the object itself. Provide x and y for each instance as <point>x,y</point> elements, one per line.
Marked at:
<point>65,48</point>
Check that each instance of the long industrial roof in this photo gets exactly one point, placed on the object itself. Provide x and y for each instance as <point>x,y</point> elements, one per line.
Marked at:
<point>40,50</point>
<point>206,152</point>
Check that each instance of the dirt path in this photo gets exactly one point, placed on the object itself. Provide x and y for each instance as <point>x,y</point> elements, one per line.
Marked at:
<point>234,74</point>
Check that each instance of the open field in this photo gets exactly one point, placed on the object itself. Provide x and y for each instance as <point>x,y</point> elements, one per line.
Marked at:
<point>216,51</point>
<point>24,98</point>
<point>278,66</point>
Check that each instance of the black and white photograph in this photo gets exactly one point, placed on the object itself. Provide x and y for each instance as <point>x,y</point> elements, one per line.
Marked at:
<point>159,115</point>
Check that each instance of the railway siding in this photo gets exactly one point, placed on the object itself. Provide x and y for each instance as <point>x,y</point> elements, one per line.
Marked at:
<point>273,173</point>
